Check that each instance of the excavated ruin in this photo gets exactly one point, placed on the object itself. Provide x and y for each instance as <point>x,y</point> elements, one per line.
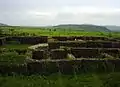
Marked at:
<point>71,54</point>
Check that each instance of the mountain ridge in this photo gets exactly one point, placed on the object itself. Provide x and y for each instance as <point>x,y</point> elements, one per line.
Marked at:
<point>83,27</point>
<point>1,24</point>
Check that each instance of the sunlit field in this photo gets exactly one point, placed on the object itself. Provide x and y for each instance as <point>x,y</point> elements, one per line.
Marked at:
<point>36,31</point>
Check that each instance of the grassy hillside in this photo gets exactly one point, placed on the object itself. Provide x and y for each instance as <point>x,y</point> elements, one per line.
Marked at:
<point>114,28</point>
<point>67,27</point>
<point>83,27</point>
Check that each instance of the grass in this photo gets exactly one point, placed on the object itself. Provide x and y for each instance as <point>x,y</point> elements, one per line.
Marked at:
<point>11,58</point>
<point>58,80</point>
<point>8,54</point>
<point>47,32</point>
<point>59,32</point>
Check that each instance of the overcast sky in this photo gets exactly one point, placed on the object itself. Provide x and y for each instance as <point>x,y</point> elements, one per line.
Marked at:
<point>51,12</point>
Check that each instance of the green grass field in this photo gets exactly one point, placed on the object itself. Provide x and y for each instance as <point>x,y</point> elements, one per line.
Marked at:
<point>26,31</point>
<point>46,32</point>
<point>58,80</point>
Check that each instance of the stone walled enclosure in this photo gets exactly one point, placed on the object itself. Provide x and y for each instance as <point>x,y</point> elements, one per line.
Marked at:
<point>68,54</point>
<point>85,47</point>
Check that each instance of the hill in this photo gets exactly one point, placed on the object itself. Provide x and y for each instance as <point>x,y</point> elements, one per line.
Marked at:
<point>114,28</point>
<point>83,27</point>
<point>1,24</point>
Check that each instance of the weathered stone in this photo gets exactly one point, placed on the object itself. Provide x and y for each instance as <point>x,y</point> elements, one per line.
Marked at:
<point>112,51</point>
<point>91,38</point>
<point>60,38</point>
<point>85,52</point>
<point>13,68</point>
<point>51,67</point>
<point>58,54</point>
<point>93,44</point>
<point>57,44</point>
<point>29,40</point>
<point>107,44</point>
<point>36,67</point>
<point>74,66</point>
<point>65,66</point>
<point>38,54</point>
<point>53,45</point>
<point>87,44</point>
<point>72,38</point>
<point>115,44</point>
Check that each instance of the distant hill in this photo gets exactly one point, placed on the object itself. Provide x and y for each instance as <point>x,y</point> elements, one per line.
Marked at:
<point>1,24</point>
<point>84,27</point>
<point>114,28</point>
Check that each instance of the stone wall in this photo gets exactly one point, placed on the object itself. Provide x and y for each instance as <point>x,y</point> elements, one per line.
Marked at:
<point>74,66</point>
<point>115,52</point>
<point>13,68</point>
<point>38,54</point>
<point>85,52</point>
<point>87,44</point>
<point>60,38</point>
<point>2,41</point>
<point>63,66</point>
<point>91,38</point>
<point>54,45</point>
<point>72,38</point>
<point>58,54</point>
<point>29,40</point>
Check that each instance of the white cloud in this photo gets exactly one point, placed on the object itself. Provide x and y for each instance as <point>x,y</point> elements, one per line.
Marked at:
<point>65,14</point>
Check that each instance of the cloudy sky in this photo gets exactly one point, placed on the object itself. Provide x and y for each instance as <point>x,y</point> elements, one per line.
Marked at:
<point>52,12</point>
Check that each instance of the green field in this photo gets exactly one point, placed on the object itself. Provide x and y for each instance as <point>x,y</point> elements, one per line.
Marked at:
<point>37,31</point>
<point>58,80</point>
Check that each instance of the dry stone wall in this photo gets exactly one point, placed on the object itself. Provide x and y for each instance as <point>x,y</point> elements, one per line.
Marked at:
<point>85,52</point>
<point>38,54</point>
<point>72,38</point>
<point>74,66</point>
<point>58,54</point>
<point>29,40</point>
